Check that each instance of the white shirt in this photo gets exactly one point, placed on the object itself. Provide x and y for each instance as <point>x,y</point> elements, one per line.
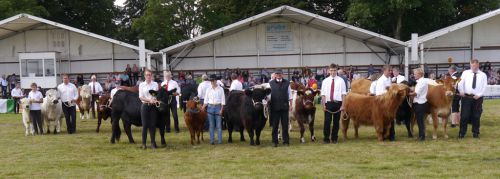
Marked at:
<point>67,92</point>
<point>421,90</point>
<point>98,87</point>
<point>144,88</point>
<point>37,96</point>
<point>398,79</point>
<point>373,86</point>
<point>3,82</point>
<point>16,92</point>
<point>382,83</point>
<point>202,89</point>
<point>236,85</point>
<point>171,85</point>
<point>220,83</point>
<point>215,96</point>
<point>338,91</point>
<point>465,85</point>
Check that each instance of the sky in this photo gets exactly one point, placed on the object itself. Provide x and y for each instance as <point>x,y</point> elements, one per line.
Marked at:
<point>119,2</point>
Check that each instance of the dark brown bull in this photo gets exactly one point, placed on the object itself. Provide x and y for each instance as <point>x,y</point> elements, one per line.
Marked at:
<point>304,110</point>
<point>103,109</point>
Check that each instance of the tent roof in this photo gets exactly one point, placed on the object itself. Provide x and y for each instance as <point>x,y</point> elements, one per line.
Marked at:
<point>457,26</point>
<point>295,15</point>
<point>24,22</point>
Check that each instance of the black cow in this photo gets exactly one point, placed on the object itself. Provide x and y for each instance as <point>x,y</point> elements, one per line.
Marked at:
<point>245,110</point>
<point>126,105</point>
<point>405,113</point>
<point>187,90</point>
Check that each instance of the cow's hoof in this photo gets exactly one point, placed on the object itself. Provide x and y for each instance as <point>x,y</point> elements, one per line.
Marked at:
<point>112,141</point>
<point>252,143</point>
<point>302,140</point>
<point>257,142</point>
<point>434,137</point>
<point>446,136</point>
<point>313,138</point>
<point>143,147</point>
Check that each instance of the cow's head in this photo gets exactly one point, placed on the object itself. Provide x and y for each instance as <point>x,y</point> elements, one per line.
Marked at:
<point>25,103</point>
<point>398,90</point>
<point>85,92</point>
<point>307,97</point>
<point>52,97</point>
<point>162,94</point>
<point>103,102</point>
<point>449,84</point>
<point>192,106</point>
<point>258,96</point>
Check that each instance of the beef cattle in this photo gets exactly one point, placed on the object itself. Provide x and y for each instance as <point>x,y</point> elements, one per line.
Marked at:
<point>103,109</point>
<point>304,110</point>
<point>52,111</point>
<point>195,119</point>
<point>83,101</point>
<point>24,105</point>
<point>361,86</point>
<point>245,110</point>
<point>378,111</point>
<point>439,98</point>
<point>126,106</point>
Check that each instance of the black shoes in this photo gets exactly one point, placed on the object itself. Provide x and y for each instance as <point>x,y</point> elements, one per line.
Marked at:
<point>326,141</point>
<point>453,125</point>
<point>476,136</point>
<point>334,141</point>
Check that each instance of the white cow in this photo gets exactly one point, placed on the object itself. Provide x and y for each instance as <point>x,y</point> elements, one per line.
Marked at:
<point>83,102</point>
<point>52,111</point>
<point>28,124</point>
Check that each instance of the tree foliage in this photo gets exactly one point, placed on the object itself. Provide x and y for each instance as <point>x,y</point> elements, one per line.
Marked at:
<point>10,8</point>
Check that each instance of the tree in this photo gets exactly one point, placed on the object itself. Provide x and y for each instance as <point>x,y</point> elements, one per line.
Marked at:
<point>10,8</point>
<point>95,16</point>
<point>131,10</point>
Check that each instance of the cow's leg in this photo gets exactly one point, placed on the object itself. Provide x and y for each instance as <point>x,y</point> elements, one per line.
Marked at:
<point>251,134</point>
<point>242,133</point>
<point>192,133</point>
<point>379,128</point>
<point>445,130</point>
<point>115,128</point>
<point>88,113</point>
<point>311,129</point>
<point>387,129</point>
<point>302,130</point>
<point>230,132</point>
<point>356,127</point>
<point>257,135</point>
<point>435,123</point>
<point>162,135</point>
<point>345,126</point>
<point>127,127</point>
<point>99,120</point>
<point>58,125</point>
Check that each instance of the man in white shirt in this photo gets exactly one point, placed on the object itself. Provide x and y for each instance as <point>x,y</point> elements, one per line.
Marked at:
<point>398,78</point>
<point>214,102</point>
<point>3,84</point>
<point>384,81</point>
<point>381,88</point>
<point>471,87</point>
<point>420,101</point>
<point>235,83</point>
<point>95,89</point>
<point>333,91</point>
<point>17,94</point>
<point>68,93</point>
<point>202,89</point>
<point>170,84</point>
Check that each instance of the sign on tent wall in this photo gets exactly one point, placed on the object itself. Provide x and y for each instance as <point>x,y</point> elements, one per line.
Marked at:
<point>279,37</point>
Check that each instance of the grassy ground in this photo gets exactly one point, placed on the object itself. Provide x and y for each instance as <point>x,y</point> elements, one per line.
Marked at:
<point>90,155</point>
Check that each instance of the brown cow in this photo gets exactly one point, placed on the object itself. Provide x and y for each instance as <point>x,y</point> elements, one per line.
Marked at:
<point>361,86</point>
<point>378,111</point>
<point>195,119</point>
<point>439,98</point>
<point>304,111</point>
<point>103,109</point>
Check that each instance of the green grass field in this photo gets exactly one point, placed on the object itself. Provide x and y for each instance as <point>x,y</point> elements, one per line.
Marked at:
<point>90,155</point>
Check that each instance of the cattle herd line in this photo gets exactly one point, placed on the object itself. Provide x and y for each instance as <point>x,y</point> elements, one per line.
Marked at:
<point>248,110</point>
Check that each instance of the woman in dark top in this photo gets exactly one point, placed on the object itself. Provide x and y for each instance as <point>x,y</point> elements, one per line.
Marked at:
<point>79,80</point>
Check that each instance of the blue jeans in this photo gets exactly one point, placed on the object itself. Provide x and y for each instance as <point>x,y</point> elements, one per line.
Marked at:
<point>215,120</point>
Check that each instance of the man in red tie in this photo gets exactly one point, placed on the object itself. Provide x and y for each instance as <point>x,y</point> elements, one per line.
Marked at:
<point>333,91</point>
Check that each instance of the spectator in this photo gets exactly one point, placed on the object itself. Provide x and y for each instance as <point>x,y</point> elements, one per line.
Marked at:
<point>3,83</point>
<point>17,94</point>
<point>79,80</point>
<point>128,71</point>
<point>135,73</point>
<point>371,70</point>
<point>12,81</point>
<point>124,79</point>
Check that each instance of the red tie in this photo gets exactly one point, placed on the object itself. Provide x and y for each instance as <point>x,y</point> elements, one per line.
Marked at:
<point>166,86</point>
<point>332,88</point>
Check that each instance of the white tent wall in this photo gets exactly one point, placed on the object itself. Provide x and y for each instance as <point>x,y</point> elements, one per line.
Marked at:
<point>483,36</point>
<point>86,54</point>
<point>247,49</point>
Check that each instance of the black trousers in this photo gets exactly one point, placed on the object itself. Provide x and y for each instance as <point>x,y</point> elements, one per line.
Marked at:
<point>420,110</point>
<point>16,105</point>
<point>149,116</point>
<point>94,98</point>
<point>329,117</point>
<point>36,118</point>
<point>173,111</point>
<point>70,115</point>
<point>276,118</point>
<point>470,113</point>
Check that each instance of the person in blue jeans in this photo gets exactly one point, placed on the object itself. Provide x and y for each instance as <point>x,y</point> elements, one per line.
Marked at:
<point>214,103</point>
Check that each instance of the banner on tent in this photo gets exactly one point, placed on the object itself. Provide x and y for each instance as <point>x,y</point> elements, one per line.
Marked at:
<point>279,37</point>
